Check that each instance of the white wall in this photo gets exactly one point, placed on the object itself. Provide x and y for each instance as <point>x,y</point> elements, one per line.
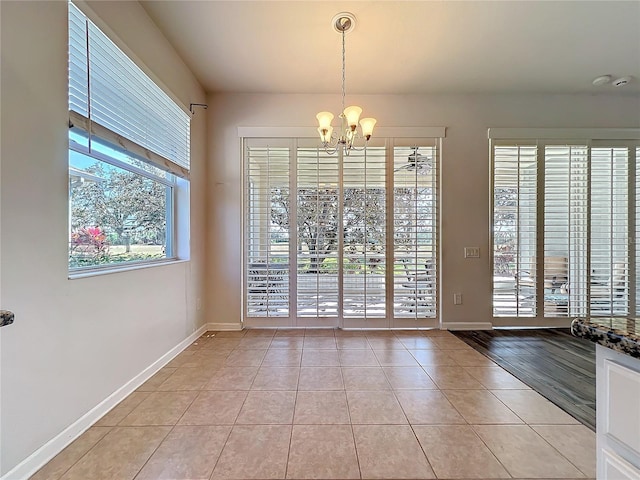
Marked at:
<point>74,342</point>
<point>465,173</point>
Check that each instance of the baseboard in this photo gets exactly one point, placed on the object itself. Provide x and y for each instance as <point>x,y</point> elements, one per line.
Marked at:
<point>40,457</point>
<point>467,326</point>
<point>226,327</point>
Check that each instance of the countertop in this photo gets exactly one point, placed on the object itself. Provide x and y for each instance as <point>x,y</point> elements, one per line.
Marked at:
<point>619,334</point>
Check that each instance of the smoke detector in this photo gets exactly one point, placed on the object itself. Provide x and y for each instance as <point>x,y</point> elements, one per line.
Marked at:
<point>621,82</point>
<point>602,80</point>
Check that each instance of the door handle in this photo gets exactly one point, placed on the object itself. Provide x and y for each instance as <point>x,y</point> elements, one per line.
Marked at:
<point>6,317</point>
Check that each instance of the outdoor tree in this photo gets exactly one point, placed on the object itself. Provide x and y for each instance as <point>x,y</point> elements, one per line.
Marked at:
<point>364,213</point>
<point>505,205</point>
<point>123,204</point>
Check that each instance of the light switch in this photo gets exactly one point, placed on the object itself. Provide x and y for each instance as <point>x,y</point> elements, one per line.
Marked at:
<point>471,252</point>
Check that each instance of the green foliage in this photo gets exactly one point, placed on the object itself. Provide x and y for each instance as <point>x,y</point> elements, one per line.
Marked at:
<point>364,212</point>
<point>125,207</point>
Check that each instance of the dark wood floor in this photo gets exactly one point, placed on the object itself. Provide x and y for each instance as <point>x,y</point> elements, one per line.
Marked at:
<point>551,361</point>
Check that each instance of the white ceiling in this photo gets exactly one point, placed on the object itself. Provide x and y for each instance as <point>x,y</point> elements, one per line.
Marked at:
<point>405,47</point>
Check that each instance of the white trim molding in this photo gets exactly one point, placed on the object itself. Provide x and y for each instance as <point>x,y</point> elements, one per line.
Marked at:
<point>467,326</point>
<point>565,133</point>
<point>224,327</point>
<point>311,132</point>
<point>46,452</point>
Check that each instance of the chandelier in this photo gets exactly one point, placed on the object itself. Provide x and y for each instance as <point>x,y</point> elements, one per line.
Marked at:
<point>348,136</point>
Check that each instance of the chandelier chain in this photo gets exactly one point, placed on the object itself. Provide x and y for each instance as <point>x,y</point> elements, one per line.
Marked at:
<point>343,69</point>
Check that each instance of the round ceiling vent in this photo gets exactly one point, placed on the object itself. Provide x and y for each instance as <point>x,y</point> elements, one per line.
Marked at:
<point>602,80</point>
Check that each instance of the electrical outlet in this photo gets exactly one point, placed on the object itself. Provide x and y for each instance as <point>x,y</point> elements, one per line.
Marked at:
<point>457,299</point>
<point>471,252</point>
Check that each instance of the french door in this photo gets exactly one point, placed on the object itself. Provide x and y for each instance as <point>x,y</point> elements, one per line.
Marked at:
<point>341,241</point>
<point>565,218</point>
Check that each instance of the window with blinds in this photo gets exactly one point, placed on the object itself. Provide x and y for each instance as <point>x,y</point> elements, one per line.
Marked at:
<point>317,221</point>
<point>415,221</point>
<point>364,220</point>
<point>112,98</point>
<point>268,227</point>
<point>350,238</point>
<point>609,247</point>
<point>515,197</point>
<point>635,182</point>
<point>565,229</point>
<point>128,156</point>
<point>588,210</point>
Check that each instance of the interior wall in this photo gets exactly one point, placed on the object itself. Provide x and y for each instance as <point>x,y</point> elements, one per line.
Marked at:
<point>74,342</point>
<point>465,173</point>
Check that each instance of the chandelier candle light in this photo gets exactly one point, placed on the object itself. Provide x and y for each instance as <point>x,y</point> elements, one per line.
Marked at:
<point>342,23</point>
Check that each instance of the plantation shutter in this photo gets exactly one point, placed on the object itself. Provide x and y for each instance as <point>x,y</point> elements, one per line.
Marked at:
<point>364,221</point>
<point>636,239</point>
<point>609,284</point>
<point>590,216</point>
<point>113,100</point>
<point>415,220</point>
<point>267,228</point>
<point>318,213</point>
<point>565,230</point>
<point>515,178</point>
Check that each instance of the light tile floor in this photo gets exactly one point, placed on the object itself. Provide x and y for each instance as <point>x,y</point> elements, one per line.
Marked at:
<point>325,404</point>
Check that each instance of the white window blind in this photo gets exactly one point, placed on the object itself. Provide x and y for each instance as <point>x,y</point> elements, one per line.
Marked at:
<point>415,220</point>
<point>636,169</point>
<point>515,177</point>
<point>364,221</point>
<point>340,237</point>
<point>112,98</point>
<point>317,218</point>
<point>565,229</point>
<point>583,230</point>
<point>609,294</point>
<point>267,228</point>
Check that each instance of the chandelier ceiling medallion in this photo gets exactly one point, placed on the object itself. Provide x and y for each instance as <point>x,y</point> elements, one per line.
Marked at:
<point>348,134</point>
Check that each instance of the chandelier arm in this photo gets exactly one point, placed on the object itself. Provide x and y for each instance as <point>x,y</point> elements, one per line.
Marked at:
<point>331,151</point>
<point>359,149</point>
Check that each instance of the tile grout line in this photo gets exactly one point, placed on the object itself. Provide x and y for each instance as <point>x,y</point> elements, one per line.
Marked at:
<point>232,425</point>
<point>353,435</point>
<point>170,431</point>
<point>154,450</point>
<point>295,404</point>
<point>81,457</point>
<point>552,446</point>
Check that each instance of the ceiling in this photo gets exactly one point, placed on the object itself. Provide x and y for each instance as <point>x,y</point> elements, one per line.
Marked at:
<point>405,47</point>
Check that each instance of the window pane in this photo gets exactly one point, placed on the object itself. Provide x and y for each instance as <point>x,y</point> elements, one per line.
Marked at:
<point>414,227</point>
<point>637,232</point>
<point>514,230</point>
<point>565,230</point>
<point>609,232</point>
<point>116,215</point>
<point>364,226</point>
<point>329,236</point>
<point>267,232</point>
<point>317,213</point>
<point>587,214</point>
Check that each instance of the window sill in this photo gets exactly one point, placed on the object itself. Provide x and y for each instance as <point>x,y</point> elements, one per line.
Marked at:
<point>75,275</point>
